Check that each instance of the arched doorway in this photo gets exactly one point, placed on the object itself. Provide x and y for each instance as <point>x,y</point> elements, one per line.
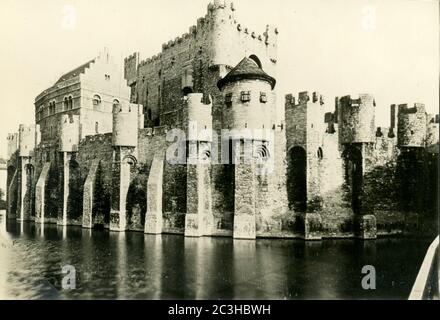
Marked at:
<point>297,179</point>
<point>354,176</point>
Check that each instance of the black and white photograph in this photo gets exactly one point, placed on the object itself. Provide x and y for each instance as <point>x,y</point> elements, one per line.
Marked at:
<point>217,150</point>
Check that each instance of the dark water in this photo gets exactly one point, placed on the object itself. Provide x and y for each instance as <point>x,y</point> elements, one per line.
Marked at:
<point>137,266</point>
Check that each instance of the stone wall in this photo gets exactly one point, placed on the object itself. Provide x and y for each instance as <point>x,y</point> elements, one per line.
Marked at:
<point>194,62</point>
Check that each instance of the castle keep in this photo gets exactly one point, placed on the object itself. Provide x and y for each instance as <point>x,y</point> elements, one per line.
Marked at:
<point>99,153</point>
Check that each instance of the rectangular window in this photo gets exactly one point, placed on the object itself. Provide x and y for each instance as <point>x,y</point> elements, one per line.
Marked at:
<point>263,97</point>
<point>228,100</point>
<point>245,96</point>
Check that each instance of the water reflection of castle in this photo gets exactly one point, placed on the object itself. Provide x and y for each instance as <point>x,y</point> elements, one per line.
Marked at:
<point>96,155</point>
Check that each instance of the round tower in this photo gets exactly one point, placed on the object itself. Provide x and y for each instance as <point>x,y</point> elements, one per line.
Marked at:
<point>249,111</point>
<point>356,118</point>
<point>125,125</point>
<point>249,100</point>
<point>221,16</point>
<point>411,126</point>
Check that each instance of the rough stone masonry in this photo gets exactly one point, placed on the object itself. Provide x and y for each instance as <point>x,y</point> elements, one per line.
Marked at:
<point>97,154</point>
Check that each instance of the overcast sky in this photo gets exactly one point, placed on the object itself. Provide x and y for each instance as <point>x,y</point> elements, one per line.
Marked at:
<point>389,48</point>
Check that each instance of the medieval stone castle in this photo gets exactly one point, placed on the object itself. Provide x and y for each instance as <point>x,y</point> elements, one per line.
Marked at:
<point>97,155</point>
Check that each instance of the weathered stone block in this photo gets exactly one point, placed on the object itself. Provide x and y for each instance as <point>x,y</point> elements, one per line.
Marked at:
<point>245,227</point>
<point>154,218</point>
<point>89,187</point>
<point>194,225</point>
<point>40,191</point>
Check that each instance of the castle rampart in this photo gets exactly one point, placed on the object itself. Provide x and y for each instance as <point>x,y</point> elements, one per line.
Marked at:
<point>101,159</point>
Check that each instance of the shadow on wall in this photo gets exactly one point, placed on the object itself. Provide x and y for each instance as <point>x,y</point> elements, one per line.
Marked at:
<point>136,206</point>
<point>402,194</point>
<point>101,200</point>
<point>174,197</point>
<point>52,193</point>
<point>75,198</point>
<point>29,198</point>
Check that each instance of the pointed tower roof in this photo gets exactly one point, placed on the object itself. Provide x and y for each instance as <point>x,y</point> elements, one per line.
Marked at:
<point>247,69</point>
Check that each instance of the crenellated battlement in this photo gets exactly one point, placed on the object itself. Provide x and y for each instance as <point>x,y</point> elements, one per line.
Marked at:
<point>131,64</point>
<point>356,101</point>
<point>303,98</point>
<point>131,57</point>
<point>412,125</point>
<point>416,108</point>
<point>12,144</point>
<point>220,16</point>
<point>356,118</point>
<point>151,60</point>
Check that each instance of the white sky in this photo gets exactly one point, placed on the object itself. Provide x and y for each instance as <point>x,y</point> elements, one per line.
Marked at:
<point>336,47</point>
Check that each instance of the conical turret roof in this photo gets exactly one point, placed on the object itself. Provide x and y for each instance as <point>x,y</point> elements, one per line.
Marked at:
<point>247,69</point>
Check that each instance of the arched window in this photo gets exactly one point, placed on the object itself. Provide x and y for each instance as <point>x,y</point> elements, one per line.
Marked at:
<point>66,103</point>
<point>52,107</point>
<point>115,102</point>
<point>96,100</point>
<point>96,127</point>
<point>70,102</point>
<point>262,152</point>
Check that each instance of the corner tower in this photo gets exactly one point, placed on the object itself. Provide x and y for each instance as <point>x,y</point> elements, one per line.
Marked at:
<point>124,140</point>
<point>356,119</point>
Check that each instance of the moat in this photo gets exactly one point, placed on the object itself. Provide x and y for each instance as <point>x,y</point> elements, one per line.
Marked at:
<point>111,265</point>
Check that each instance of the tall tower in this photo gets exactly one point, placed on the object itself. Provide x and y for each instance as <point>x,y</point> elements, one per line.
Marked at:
<point>27,141</point>
<point>249,112</point>
<point>413,174</point>
<point>125,139</point>
<point>411,126</point>
<point>305,130</point>
<point>198,124</point>
<point>69,140</point>
<point>356,118</point>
